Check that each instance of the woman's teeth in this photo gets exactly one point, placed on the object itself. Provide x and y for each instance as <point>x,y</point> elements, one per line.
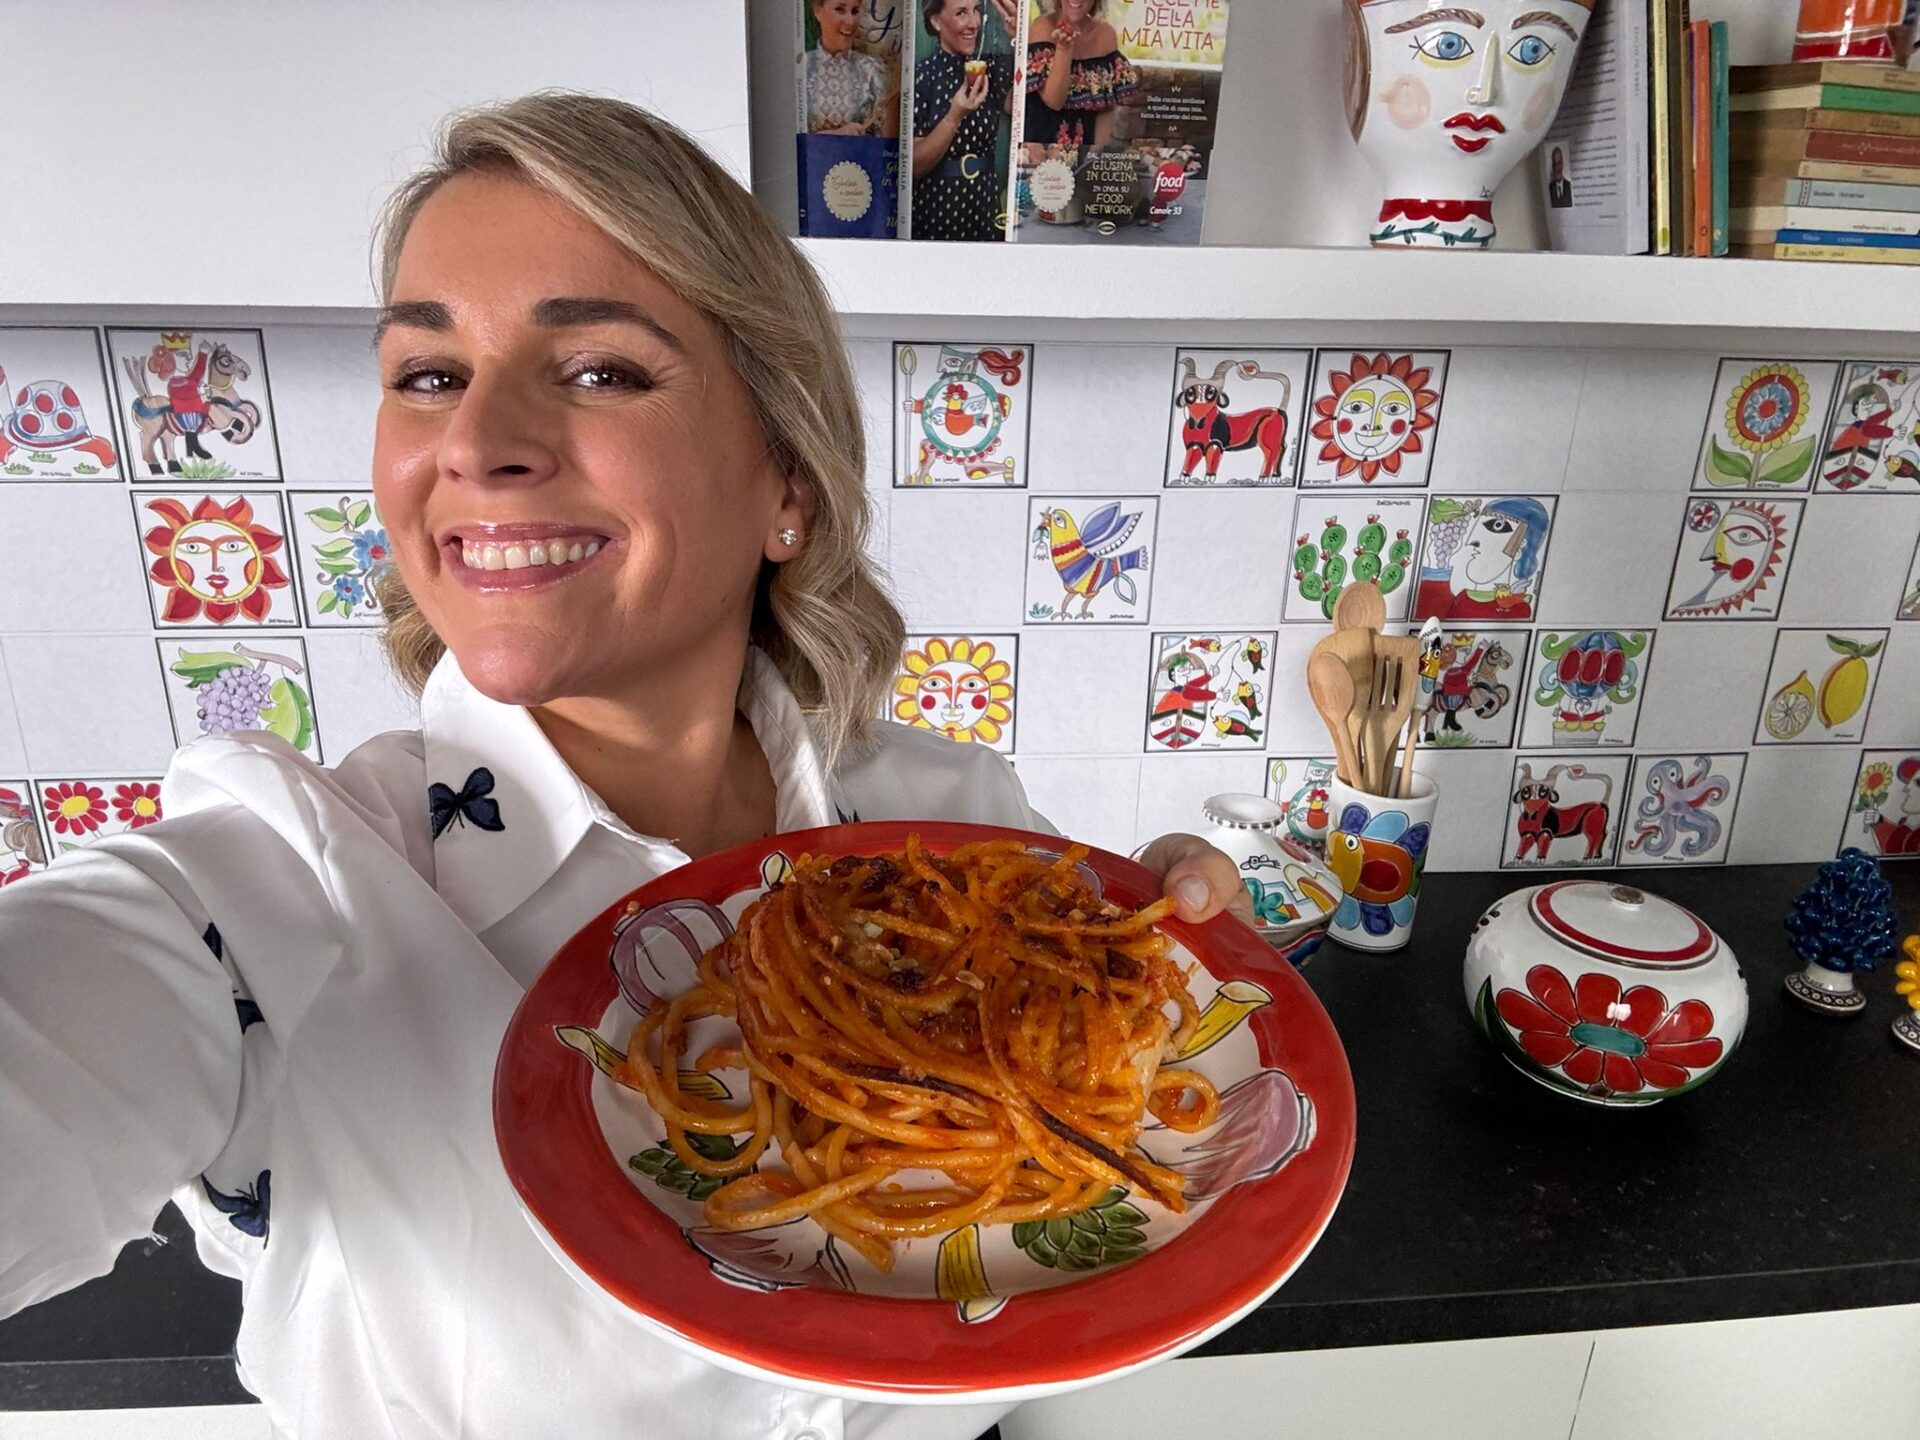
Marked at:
<point>518,556</point>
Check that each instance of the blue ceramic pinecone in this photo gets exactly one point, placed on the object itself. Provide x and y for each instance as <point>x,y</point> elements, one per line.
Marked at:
<point>1844,920</point>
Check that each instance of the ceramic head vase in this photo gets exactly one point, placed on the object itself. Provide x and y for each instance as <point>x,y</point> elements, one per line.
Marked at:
<point>1445,99</point>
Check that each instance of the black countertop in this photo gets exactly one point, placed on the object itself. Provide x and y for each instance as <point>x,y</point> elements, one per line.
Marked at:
<point>1480,1204</point>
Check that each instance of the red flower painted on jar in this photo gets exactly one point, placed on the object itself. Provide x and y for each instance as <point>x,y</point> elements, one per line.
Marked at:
<point>1606,1041</point>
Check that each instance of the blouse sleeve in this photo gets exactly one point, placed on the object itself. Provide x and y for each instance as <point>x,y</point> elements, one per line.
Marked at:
<point>929,100</point>
<point>119,1063</point>
<point>1039,63</point>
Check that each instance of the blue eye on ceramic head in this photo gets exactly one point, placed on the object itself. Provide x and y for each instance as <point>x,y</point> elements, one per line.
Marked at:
<point>1529,50</point>
<point>1445,45</point>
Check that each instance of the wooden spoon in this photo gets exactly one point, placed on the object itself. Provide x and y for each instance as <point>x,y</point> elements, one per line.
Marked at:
<point>1360,606</point>
<point>1331,688</point>
<point>1354,650</point>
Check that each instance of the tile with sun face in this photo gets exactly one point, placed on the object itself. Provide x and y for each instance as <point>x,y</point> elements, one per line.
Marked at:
<point>77,812</point>
<point>216,560</point>
<point>23,849</point>
<point>1374,417</point>
<point>960,414</point>
<point>195,403</point>
<point>1236,417</point>
<point>959,686</point>
<point>56,409</point>
<point>1209,691</point>
<point>1733,558</point>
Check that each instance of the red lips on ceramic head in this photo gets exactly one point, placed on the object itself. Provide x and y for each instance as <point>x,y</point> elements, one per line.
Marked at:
<point>1465,120</point>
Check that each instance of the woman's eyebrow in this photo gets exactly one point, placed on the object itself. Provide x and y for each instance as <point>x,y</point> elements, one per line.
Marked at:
<point>1471,17</point>
<point>419,314</point>
<point>570,310</point>
<point>1544,17</point>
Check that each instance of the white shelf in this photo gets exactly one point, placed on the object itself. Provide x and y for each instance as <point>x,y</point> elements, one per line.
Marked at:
<point>1218,285</point>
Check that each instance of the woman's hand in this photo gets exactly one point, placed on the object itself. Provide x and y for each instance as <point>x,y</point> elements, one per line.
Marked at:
<point>1009,15</point>
<point>971,95</point>
<point>1203,881</point>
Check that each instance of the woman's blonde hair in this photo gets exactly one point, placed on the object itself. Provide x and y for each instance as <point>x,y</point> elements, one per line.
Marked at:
<point>824,616</point>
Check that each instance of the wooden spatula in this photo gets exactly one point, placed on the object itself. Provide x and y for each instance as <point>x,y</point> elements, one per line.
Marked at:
<point>1331,688</point>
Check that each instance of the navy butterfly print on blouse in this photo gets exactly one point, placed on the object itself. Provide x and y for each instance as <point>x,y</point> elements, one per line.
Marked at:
<point>245,1210</point>
<point>847,817</point>
<point>244,1008</point>
<point>473,801</point>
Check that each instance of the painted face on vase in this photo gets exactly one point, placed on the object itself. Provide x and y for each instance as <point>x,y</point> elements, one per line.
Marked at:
<point>1445,99</point>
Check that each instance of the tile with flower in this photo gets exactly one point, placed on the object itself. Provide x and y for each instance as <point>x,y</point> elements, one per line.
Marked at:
<point>1680,808</point>
<point>216,560</point>
<point>195,403</point>
<point>964,687</point>
<point>1209,691</point>
<point>1374,417</point>
<point>1873,435</point>
<point>56,409</point>
<point>23,848</point>
<point>79,811</point>
<point>216,685</point>
<point>1883,808</point>
<point>341,543</point>
<point>1763,424</point>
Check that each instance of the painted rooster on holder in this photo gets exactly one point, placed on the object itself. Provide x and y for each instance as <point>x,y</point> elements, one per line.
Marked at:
<point>1086,556</point>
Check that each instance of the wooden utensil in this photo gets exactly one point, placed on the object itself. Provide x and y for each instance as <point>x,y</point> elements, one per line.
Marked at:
<point>1354,650</point>
<point>1429,632</point>
<point>1331,688</point>
<point>1400,681</point>
<point>1360,606</point>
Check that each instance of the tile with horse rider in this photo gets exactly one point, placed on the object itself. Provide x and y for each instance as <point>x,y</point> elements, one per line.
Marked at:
<point>1763,424</point>
<point>1562,812</point>
<point>964,687</point>
<point>1089,558</point>
<point>1338,538</point>
<point>23,849</point>
<point>961,413</point>
<point>1873,435</point>
<point>56,407</point>
<point>1588,683</point>
<point>1209,690</point>
<point>1374,417</point>
<point>194,403</point>
<point>1236,417</point>
<point>1484,557</point>
<point>216,559</point>
<point>1680,809</point>
<point>215,685</point>
<point>1472,688</point>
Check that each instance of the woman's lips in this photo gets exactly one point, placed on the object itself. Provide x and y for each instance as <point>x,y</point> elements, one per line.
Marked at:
<point>521,564</point>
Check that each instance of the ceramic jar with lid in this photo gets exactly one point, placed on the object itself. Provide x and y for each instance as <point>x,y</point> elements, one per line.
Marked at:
<point>1294,894</point>
<point>1605,992</point>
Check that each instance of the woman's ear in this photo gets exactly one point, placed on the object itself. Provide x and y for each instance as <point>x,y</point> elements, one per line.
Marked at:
<point>799,504</point>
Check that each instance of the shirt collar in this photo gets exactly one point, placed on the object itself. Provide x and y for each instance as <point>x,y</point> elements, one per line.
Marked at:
<point>542,810</point>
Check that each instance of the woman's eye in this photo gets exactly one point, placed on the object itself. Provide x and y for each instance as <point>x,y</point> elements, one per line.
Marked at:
<point>601,376</point>
<point>1529,50</point>
<point>1446,45</point>
<point>424,382</point>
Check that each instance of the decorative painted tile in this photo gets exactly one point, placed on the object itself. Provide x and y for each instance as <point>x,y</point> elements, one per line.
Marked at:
<point>1209,691</point>
<point>217,559</point>
<point>214,687</point>
<point>340,539</point>
<point>1910,591</point>
<point>1682,809</point>
<point>1586,688</point>
<point>23,849</point>
<point>1088,558</point>
<point>1883,810</point>
<point>1472,688</point>
<point>1763,424</point>
<point>1236,417</point>
<point>1819,686</point>
<point>1303,787</point>
<point>1484,557</point>
<point>1337,538</point>
<point>1733,558</point>
<point>79,811</point>
<point>195,403</point>
<point>1564,813</point>
<point>960,686</point>
<point>1873,436</point>
<point>961,414</point>
<point>56,409</point>
<point>1374,418</point>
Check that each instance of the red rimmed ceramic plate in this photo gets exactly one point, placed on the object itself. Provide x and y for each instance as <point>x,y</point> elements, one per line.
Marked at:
<point>982,1313</point>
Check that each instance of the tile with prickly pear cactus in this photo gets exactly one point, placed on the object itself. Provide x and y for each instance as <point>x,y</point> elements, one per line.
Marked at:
<point>1374,417</point>
<point>1819,687</point>
<point>1340,538</point>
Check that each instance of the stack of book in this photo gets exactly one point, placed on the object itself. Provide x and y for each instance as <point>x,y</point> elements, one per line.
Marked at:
<point>1826,162</point>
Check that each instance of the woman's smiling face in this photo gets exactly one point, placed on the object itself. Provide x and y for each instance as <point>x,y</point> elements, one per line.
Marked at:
<point>573,478</point>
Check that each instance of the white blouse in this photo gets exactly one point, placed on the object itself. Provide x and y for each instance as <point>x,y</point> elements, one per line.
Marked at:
<point>281,1007</point>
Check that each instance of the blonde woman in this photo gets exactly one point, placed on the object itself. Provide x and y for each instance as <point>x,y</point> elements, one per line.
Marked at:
<point>619,458</point>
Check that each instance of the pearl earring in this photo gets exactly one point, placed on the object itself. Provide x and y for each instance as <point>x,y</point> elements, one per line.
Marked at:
<point>789,536</point>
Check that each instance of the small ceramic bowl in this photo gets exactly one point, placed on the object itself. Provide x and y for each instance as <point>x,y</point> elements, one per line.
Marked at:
<point>1294,894</point>
<point>1604,992</point>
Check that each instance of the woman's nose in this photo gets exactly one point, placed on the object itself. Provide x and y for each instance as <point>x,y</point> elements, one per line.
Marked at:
<point>495,435</point>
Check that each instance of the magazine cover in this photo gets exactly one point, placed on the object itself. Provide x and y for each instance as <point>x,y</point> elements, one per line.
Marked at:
<point>849,115</point>
<point>1122,100</point>
<point>961,80</point>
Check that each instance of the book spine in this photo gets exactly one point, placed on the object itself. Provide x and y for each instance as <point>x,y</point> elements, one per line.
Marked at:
<point>1877,255</point>
<point>1821,217</point>
<point>1868,77</point>
<point>1658,16</point>
<point>1838,195</point>
<point>1849,238</point>
<point>1700,123</point>
<point>1717,36</point>
<point>1861,149</point>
